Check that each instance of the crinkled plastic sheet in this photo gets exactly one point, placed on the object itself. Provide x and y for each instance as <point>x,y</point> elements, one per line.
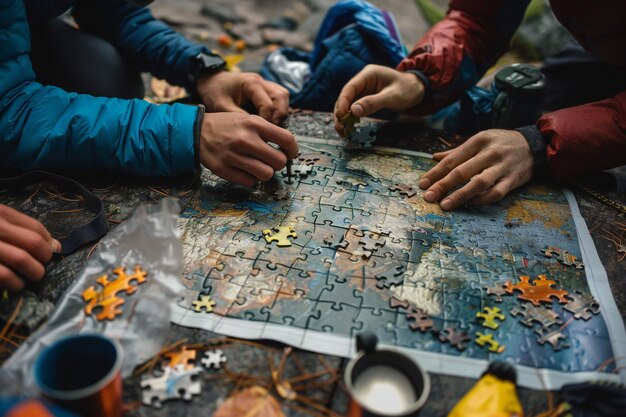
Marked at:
<point>150,239</point>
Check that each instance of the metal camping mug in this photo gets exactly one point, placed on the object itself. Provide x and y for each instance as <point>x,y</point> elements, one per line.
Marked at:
<point>384,383</point>
<point>83,374</point>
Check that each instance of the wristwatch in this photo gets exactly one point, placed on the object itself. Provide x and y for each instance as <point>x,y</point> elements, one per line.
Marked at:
<point>203,64</point>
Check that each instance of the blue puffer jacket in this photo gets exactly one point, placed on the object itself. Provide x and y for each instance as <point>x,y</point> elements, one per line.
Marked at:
<point>44,127</point>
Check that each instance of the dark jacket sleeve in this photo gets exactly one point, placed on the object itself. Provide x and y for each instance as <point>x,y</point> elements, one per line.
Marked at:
<point>586,138</point>
<point>44,127</point>
<point>150,44</point>
<point>457,51</point>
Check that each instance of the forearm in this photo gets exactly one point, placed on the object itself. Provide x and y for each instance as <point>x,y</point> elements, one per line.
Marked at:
<point>457,51</point>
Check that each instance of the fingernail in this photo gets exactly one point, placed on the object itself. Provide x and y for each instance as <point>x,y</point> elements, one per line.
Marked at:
<point>446,204</point>
<point>429,196</point>
<point>424,183</point>
<point>357,110</point>
<point>56,246</point>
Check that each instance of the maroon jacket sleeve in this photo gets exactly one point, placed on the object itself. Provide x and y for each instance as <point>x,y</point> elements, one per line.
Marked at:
<point>586,138</point>
<point>457,51</point>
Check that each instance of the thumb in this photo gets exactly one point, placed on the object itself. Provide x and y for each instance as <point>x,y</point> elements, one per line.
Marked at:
<point>370,104</point>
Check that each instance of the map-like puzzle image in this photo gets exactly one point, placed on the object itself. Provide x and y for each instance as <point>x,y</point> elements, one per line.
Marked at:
<point>349,244</point>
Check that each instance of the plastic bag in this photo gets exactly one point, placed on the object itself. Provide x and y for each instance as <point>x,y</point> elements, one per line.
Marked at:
<point>149,239</point>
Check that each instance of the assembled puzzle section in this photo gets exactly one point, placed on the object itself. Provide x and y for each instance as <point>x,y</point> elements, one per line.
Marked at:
<point>349,244</point>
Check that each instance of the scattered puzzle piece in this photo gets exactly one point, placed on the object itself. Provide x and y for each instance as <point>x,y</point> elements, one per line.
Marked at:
<point>582,305</point>
<point>498,290</point>
<point>365,136</point>
<point>213,359</point>
<point>205,302</point>
<point>540,290</point>
<point>107,298</point>
<point>183,357</point>
<point>563,256</point>
<point>555,337</point>
<point>420,320</point>
<point>455,337</point>
<point>280,234</point>
<point>395,302</point>
<point>487,339</point>
<point>404,189</point>
<point>539,314</point>
<point>489,316</point>
<point>175,383</point>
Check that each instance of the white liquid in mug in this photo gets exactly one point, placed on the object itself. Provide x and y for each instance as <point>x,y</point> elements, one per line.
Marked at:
<point>384,390</point>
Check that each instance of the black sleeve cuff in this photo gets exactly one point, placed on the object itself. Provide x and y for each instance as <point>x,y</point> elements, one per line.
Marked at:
<point>537,144</point>
<point>197,129</point>
<point>426,82</point>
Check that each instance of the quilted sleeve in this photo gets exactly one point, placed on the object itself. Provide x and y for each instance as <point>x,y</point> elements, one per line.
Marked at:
<point>48,128</point>
<point>457,51</point>
<point>150,44</point>
<point>586,138</point>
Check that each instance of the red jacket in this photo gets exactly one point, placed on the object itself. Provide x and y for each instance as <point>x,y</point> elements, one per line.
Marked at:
<point>455,53</point>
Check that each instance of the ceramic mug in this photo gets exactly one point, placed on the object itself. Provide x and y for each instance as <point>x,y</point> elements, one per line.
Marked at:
<point>82,374</point>
<point>384,383</point>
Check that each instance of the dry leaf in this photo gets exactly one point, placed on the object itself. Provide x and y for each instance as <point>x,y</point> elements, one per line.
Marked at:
<point>164,91</point>
<point>251,402</point>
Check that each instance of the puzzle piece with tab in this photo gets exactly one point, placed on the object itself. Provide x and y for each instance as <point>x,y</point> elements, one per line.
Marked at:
<point>349,244</point>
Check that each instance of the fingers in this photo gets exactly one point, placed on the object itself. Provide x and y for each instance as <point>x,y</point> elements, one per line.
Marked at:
<point>271,156</point>
<point>477,185</point>
<point>20,219</point>
<point>30,241</point>
<point>20,262</point>
<point>445,166</point>
<point>10,281</point>
<point>346,97</point>
<point>281,137</point>
<point>255,167</point>
<point>496,193</point>
<point>238,177</point>
<point>280,97</point>
<point>438,156</point>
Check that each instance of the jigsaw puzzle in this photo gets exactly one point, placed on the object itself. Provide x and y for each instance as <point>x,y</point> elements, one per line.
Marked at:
<point>350,245</point>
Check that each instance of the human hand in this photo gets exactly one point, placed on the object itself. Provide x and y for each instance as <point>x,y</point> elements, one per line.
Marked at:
<point>25,246</point>
<point>235,147</point>
<point>377,87</point>
<point>490,164</point>
<point>228,91</point>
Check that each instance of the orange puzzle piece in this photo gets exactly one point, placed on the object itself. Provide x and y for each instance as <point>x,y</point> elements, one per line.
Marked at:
<point>107,297</point>
<point>183,357</point>
<point>540,290</point>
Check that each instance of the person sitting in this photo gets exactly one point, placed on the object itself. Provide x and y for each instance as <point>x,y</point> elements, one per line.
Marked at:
<point>457,51</point>
<point>70,99</point>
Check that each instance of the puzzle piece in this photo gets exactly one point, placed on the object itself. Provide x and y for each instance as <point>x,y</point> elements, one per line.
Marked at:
<point>554,337</point>
<point>395,302</point>
<point>280,234</point>
<point>392,273</point>
<point>404,189</point>
<point>205,302</point>
<point>420,320</point>
<point>175,383</point>
<point>183,357</point>
<point>213,359</point>
<point>489,315</point>
<point>582,305</point>
<point>348,121</point>
<point>371,244</point>
<point>107,298</point>
<point>487,339</point>
<point>563,256</point>
<point>336,241</point>
<point>498,290</point>
<point>365,136</point>
<point>539,291</point>
<point>544,316</point>
<point>455,337</point>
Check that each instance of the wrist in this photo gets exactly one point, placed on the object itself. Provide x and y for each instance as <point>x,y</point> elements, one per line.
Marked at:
<point>204,65</point>
<point>422,86</point>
